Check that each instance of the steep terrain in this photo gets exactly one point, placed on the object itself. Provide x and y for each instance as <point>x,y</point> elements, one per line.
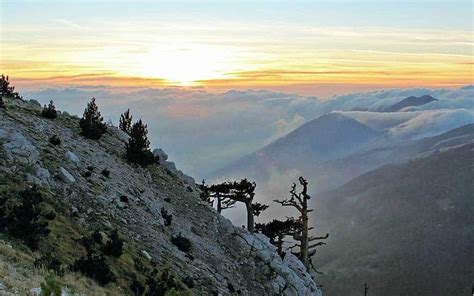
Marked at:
<point>404,229</point>
<point>173,241</point>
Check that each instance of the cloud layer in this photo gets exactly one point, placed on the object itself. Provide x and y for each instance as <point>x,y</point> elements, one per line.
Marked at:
<point>202,131</point>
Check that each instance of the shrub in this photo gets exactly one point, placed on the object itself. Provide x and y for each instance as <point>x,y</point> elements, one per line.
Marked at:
<point>166,217</point>
<point>137,148</point>
<point>183,243</point>
<point>91,123</point>
<point>114,247</point>
<point>124,198</point>
<point>51,286</point>
<point>2,104</point>
<point>105,173</point>
<point>21,214</point>
<point>95,267</point>
<point>49,111</point>
<point>55,140</point>
<point>125,122</point>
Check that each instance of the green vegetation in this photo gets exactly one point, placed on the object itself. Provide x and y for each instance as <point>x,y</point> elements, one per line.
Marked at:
<point>183,243</point>
<point>91,123</point>
<point>138,146</point>
<point>51,286</point>
<point>49,111</point>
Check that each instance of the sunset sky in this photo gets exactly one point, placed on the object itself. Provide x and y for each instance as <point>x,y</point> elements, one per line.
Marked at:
<point>305,47</point>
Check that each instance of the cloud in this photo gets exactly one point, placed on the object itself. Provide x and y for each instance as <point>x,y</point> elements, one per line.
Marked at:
<point>203,131</point>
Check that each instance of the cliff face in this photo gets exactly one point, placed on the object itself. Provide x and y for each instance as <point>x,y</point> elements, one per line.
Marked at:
<point>133,200</point>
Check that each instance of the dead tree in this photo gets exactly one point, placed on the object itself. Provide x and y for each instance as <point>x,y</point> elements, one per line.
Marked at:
<point>299,201</point>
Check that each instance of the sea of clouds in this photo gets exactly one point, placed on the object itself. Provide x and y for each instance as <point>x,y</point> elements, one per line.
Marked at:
<point>203,131</point>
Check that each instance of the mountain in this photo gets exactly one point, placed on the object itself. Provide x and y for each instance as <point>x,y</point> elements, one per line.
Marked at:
<point>404,229</point>
<point>411,101</point>
<point>333,173</point>
<point>327,137</point>
<point>102,226</point>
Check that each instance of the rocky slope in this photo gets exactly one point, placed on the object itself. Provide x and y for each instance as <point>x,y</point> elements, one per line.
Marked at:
<point>73,179</point>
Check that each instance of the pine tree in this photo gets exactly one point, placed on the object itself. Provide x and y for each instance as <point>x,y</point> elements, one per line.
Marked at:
<point>299,201</point>
<point>49,111</point>
<point>138,146</point>
<point>91,123</point>
<point>125,122</point>
<point>277,230</point>
<point>228,193</point>
<point>6,89</point>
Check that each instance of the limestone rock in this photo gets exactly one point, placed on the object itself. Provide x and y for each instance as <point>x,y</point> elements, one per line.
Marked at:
<point>66,176</point>
<point>162,156</point>
<point>18,148</point>
<point>72,157</point>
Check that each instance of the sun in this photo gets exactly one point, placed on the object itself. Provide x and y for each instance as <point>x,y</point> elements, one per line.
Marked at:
<point>186,64</point>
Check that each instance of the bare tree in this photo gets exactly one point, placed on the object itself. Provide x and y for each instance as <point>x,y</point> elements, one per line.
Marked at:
<point>299,201</point>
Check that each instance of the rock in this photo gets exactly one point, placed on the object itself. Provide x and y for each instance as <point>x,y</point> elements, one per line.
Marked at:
<point>72,157</point>
<point>34,292</point>
<point>66,176</point>
<point>146,255</point>
<point>162,156</point>
<point>170,166</point>
<point>35,103</point>
<point>19,149</point>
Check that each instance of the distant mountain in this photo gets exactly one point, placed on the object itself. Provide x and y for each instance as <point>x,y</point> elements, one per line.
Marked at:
<point>333,173</point>
<point>404,229</point>
<point>327,137</point>
<point>411,101</point>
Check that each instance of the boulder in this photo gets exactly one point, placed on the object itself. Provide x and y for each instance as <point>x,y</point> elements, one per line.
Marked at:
<point>19,149</point>
<point>162,156</point>
<point>35,103</point>
<point>72,157</point>
<point>66,176</point>
<point>146,255</point>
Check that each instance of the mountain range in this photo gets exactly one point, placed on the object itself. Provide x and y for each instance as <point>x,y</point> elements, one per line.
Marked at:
<point>393,187</point>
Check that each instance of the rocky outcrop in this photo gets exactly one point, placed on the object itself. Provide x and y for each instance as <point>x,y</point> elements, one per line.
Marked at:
<point>18,148</point>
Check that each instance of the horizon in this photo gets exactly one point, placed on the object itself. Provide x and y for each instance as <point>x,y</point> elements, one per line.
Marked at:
<point>319,48</point>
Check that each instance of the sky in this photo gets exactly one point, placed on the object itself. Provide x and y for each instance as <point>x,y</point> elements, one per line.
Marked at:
<point>318,48</point>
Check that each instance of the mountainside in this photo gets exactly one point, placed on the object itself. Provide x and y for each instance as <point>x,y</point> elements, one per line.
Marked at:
<point>89,199</point>
<point>411,101</point>
<point>404,229</point>
<point>334,173</point>
<point>327,137</point>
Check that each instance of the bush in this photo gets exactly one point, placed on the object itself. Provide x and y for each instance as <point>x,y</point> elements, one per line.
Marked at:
<point>51,286</point>
<point>95,267</point>
<point>2,104</point>
<point>183,243</point>
<point>137,148</point>
<point>49,111</point>
<point>105,173</point>
<point>166,217</point>
<point>125,122</point>
<point>91,123</point>
<point>114,247</point>
<point>55,140</point>
<point>21,214</point>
